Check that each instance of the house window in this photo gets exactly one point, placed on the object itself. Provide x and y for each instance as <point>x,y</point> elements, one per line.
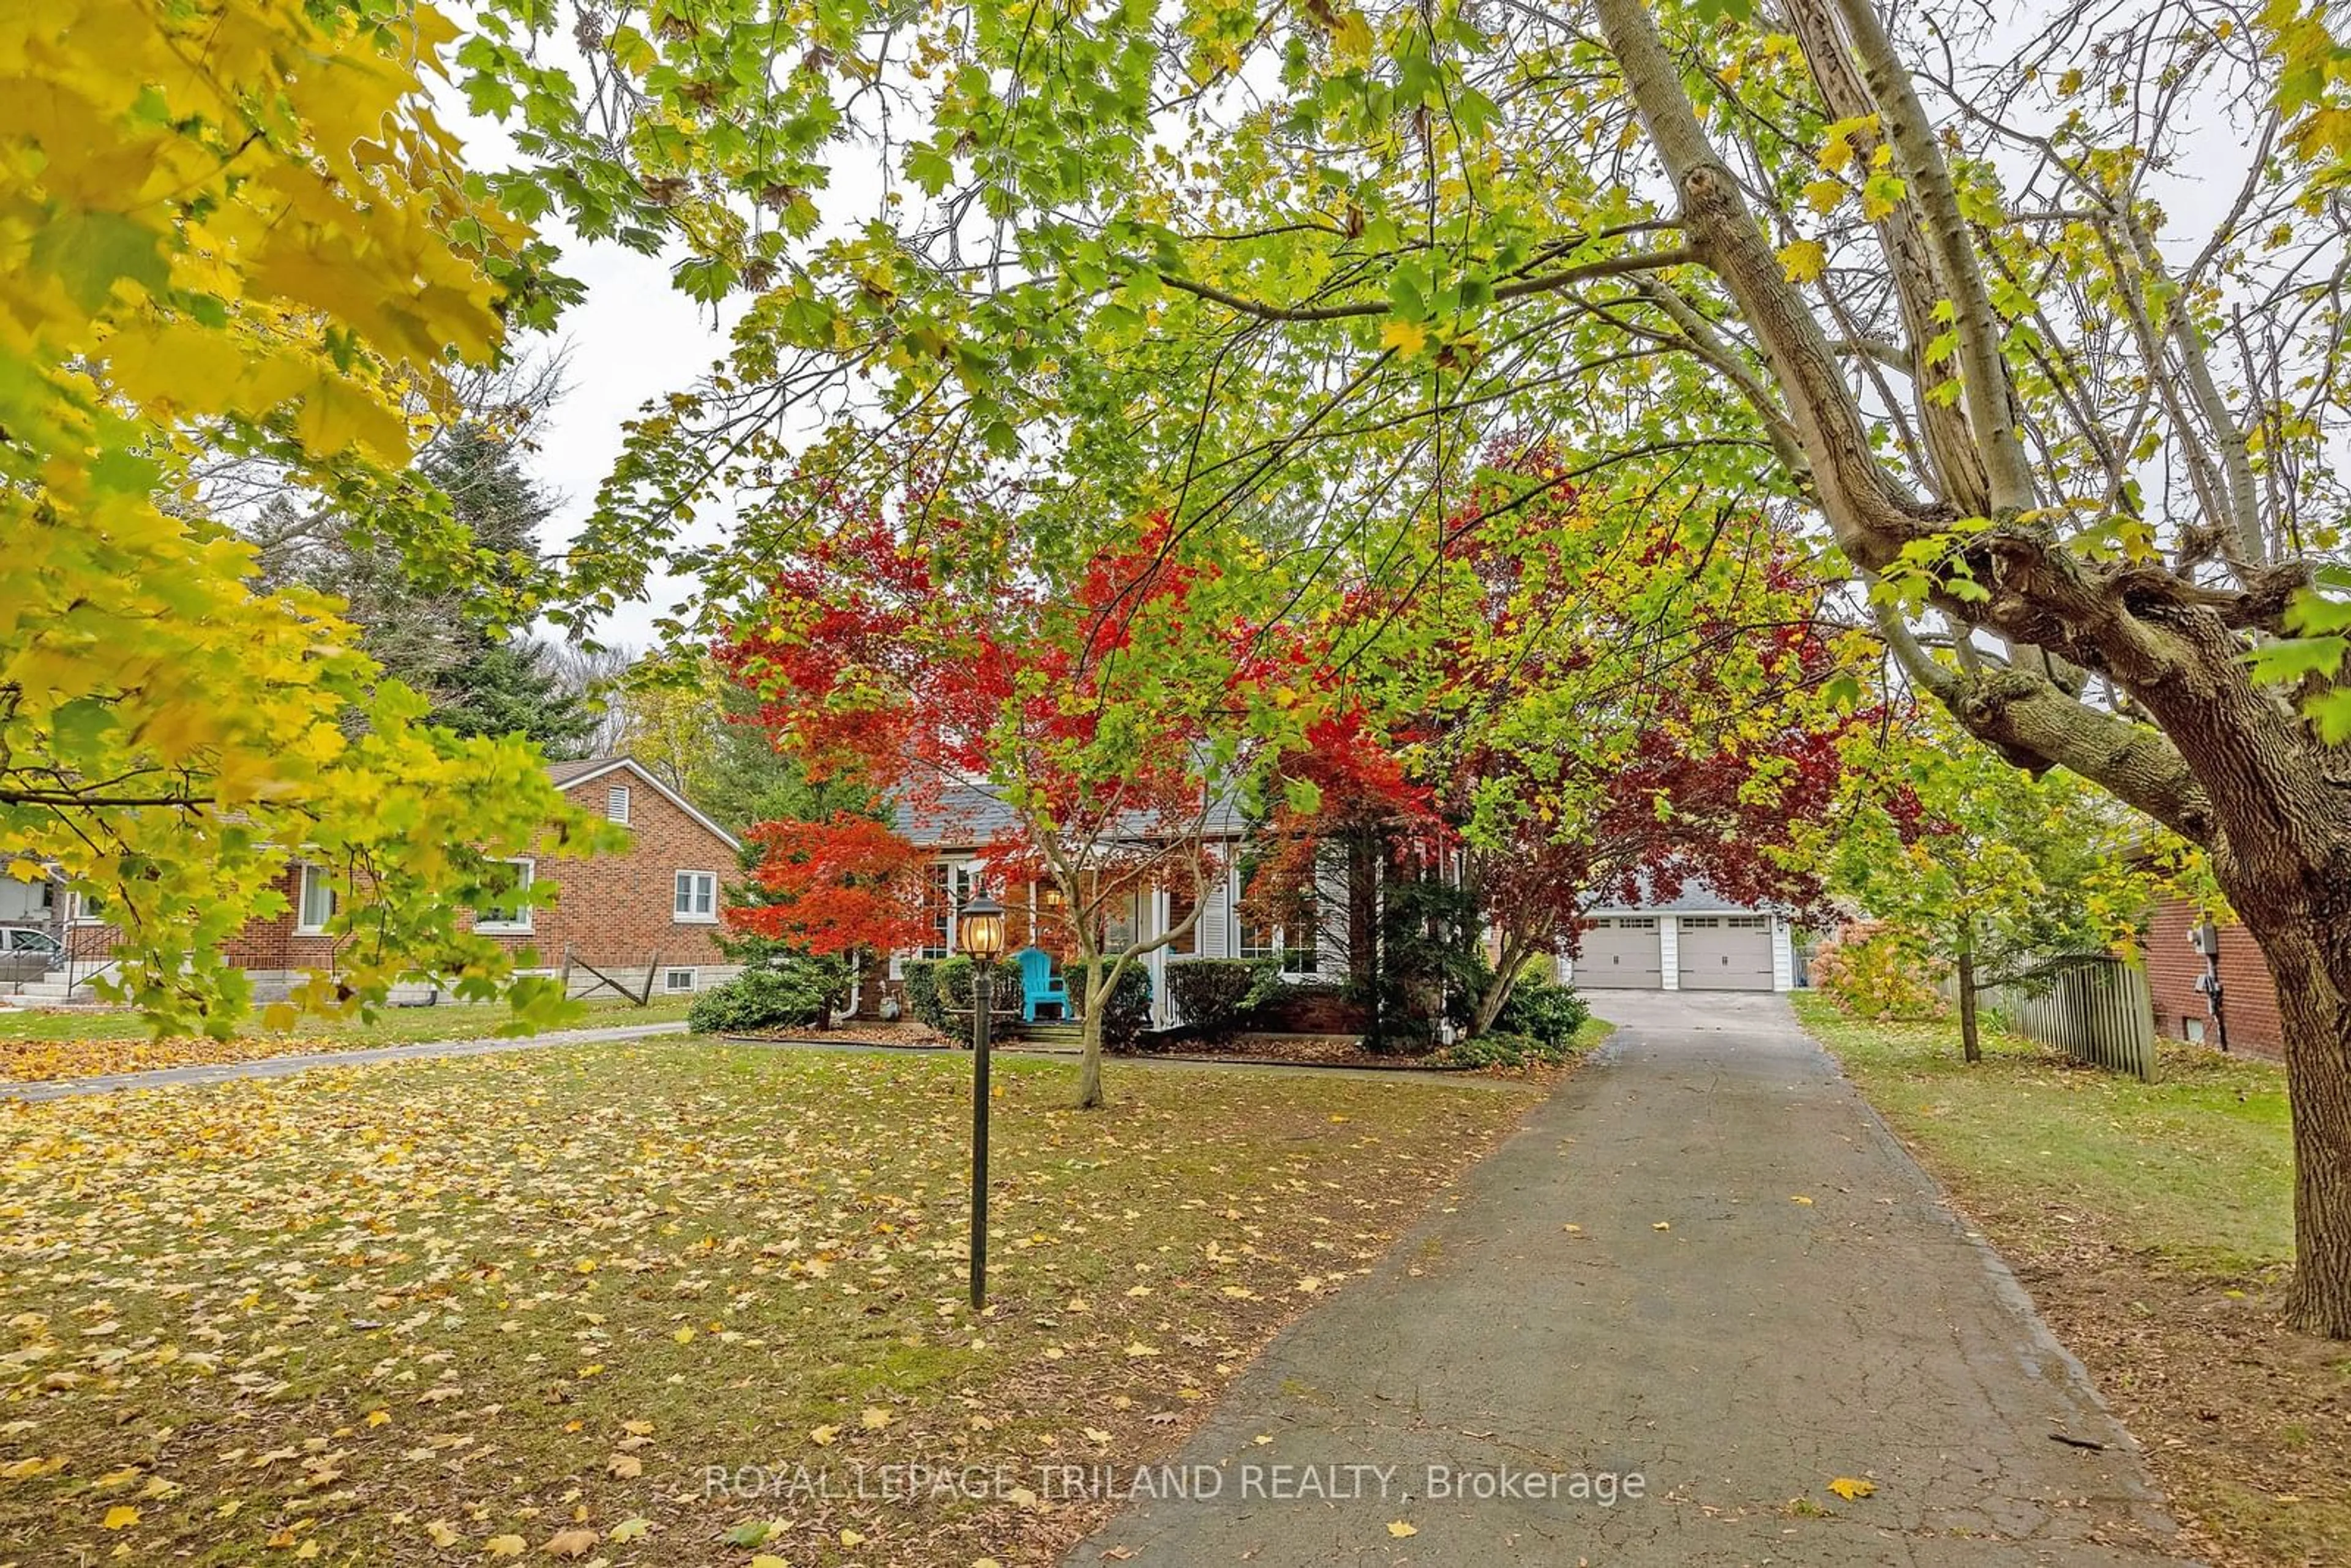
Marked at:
<point>316,905</point>
<point>1746,922</point>
<point>616,803</point>
<point>695,898</point>
<point>1699,923</point>
<point>1260,940</point>
<point>677,979</point>
<point>513,914</point>
<point>941,911</point>
<point>1179,909</point>
<point>1118,924</point>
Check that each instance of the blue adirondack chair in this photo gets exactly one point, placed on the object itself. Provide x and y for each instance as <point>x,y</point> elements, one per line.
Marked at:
<point>1038,984</point>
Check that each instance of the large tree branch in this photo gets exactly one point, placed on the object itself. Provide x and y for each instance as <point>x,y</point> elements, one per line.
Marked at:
<point>2032,723</point>
<point>1910,266</point>
<point>1544,283</point>
<point>1992,415</point>
<point>1873,517</point>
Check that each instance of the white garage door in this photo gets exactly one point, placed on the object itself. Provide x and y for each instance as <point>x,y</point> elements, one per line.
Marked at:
<point>1726,952</point>
<point>1620,953</point>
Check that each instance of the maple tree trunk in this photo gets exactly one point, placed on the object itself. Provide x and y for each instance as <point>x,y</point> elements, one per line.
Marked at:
<point>1090,1039</point>
<point>1498,992</point>
<point>1970,1034</point>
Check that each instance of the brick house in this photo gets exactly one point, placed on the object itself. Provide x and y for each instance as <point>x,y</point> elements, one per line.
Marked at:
<point>2174,970</point>
<point>651,911</point>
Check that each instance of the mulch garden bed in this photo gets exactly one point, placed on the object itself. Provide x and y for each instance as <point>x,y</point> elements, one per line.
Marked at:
<point>1302,1051</point>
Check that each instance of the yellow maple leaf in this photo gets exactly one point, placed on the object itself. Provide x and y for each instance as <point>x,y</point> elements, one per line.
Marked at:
<point>823,1435</point>
<point>121,1516</point>
<point>874,1418</point>
<point>1803,260</point>
<point>1848,1487</point>
<point>442,1532</point>
<point>630,1529</point>
<point>505,1546</point>
<point>1406,337</point>
<point>1399,1529</point>
<point>571,1543</point>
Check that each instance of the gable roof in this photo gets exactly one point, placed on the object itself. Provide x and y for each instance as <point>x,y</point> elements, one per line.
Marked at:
<point>573,772</point>
<point>1696,897</point>
<point>966,816</point>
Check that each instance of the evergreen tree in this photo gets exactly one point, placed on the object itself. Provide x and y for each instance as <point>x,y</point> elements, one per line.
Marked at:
<point>448,633</point>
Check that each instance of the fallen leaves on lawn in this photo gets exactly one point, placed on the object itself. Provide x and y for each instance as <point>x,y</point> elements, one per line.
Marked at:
<point>271,1312</point>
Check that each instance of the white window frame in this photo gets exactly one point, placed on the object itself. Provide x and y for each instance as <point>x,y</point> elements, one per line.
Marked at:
<point>521,924</point>
<point>1282,949</point>
<point>681,904</point>
<point>320,877</point>
<point>616,803</point>
<point>670,984</point>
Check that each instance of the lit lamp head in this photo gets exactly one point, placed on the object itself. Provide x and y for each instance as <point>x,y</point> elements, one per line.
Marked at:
<point>980,930</point>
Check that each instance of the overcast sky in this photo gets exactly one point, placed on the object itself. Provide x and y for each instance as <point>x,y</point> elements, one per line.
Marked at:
<point>634,338</point>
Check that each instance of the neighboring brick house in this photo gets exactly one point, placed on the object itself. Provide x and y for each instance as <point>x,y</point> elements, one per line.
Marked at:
<point>2175,967</point>
<point>653,906</point>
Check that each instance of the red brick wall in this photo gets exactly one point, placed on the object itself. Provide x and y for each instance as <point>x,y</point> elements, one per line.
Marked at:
<point>614,910</point>
<point>617,909</point>
<point>2247,999</point>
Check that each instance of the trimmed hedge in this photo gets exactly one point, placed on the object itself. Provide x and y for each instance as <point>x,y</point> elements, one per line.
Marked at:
<point>1214,995</point>
<point>939,992</point>
<point>1128,1012</point>
<point>797,994</point>
<point>1545,1013</point>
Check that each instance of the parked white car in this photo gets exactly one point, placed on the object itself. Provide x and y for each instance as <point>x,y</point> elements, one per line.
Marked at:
<point>27,952</point>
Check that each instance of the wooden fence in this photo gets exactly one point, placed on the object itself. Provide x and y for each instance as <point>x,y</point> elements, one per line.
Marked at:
<point>2098,1010</point>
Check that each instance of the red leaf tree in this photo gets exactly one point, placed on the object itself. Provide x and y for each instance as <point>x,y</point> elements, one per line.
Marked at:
<point>1100,721</point>
<point>839,888</point>
<point>1595,699</point>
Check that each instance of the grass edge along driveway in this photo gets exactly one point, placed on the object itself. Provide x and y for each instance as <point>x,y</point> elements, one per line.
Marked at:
<point>2153,1223</point>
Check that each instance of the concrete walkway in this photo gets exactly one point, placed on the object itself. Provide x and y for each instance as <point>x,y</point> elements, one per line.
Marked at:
<point>283,1066</point>
<point>1627,1288</point>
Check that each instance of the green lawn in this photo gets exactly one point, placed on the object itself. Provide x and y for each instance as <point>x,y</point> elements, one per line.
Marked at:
<point>440,1311</point>
<point>48,1045</point>
<point>2197,1167</point>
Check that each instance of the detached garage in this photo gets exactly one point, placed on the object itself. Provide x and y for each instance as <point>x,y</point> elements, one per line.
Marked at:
<point>1698,942</point>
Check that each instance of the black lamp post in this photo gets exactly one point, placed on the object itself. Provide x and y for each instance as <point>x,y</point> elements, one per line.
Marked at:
<point>980,933</point>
